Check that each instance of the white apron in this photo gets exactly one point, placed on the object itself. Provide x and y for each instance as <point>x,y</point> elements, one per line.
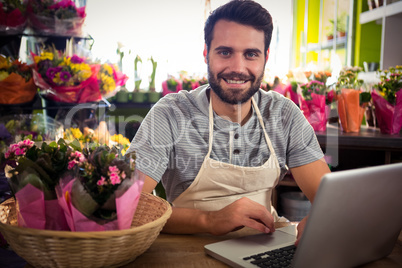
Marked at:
<point>219,184</point>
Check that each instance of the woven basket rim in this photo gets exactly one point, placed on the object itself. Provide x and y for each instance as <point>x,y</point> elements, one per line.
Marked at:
<point>92,234</point>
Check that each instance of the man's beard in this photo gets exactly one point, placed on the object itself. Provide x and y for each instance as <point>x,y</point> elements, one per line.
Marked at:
<point>233,96</point>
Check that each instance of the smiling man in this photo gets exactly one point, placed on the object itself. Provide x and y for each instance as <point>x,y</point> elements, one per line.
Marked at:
<point>220,149</point>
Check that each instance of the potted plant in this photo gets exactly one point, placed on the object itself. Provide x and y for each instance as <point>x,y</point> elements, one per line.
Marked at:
<point>340,27</point>
<point>387,99</point>
<point>351,99</point>
<point>138,94</point>
<point>153,96</point>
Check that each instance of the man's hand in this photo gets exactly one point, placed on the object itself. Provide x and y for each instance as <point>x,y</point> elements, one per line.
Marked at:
<point>300,229</point>
<point>241,213</point>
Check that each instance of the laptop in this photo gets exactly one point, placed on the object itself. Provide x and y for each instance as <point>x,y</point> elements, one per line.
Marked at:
<point>356,218</point>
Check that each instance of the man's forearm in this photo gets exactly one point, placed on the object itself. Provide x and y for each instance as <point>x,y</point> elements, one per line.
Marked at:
<point>186,221</point>
<point>242,212</point>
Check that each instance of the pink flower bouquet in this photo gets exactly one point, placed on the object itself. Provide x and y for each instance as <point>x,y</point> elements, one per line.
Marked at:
<point>101,191</point>
<point>189,84</point>
<point>56,17</point>
<point>387,98</point>
<point>291,91</point>
<point>171,85</point>
<point>33,173</point>
<point>313,104</point>
<point>12,17</point>
<point>66,79</point>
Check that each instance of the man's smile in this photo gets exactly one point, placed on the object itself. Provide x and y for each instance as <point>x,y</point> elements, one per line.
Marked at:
<point>235,81</point>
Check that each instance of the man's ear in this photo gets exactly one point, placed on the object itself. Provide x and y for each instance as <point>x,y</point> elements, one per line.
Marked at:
<point>267,56</point>
<point>205,53</point>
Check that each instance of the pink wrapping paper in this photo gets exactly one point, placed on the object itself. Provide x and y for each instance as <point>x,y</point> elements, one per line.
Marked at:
<point>293,95</point>
<point>281,89</point>
<point>166,90</point>
<point>53,25</point>
<point>13,22</point>
<point>389,116</point>
<point>126,205</point>
<point>38,213</point>
<point>315,111</point>
<point>87,91</point>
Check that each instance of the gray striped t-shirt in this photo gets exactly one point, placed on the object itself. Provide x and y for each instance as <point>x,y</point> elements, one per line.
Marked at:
<point>172,140</point>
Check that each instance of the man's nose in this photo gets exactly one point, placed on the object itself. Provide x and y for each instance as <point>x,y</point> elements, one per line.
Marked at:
<point>237,63</point>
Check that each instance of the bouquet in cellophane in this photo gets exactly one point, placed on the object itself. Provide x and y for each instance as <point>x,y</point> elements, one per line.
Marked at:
<point>56,17</point>
<point>33,172</point>
<point>387,98</point>
<point>188,82</point>
<point>314,104</point>
<point>16,84</point>
<point>12,16</point>
<point>296,78</point>
<point>110,80</point>
<point>171,85</point>
<point>101,190</point>
<point>62,78</point>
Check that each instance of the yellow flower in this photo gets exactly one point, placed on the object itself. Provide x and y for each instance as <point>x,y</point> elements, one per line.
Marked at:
<point>120,139</point>
<point>76,133</point>
<point>108,69</point>
<point>83,70</point>
<point>84,75</point>
<point>66,61</point>
<point>73,133</point>
<point>108,83</point>
<point>46,56</point>
<point>4,63</point>
<point>3,75</point>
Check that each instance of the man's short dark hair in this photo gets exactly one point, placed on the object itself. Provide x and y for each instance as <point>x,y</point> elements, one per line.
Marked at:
<point>244,12</point>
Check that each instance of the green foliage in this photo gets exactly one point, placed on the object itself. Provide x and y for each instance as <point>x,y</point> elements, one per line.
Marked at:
<point>45,163</point>
<point>348,78</point>
<point>97,166</point>
<point>391,82</point>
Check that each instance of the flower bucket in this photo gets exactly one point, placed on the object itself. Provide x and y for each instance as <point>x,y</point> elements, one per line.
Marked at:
<point>389,116</point>
<point>349,109</point>
<point>153,97</point>
<point>138,97</point>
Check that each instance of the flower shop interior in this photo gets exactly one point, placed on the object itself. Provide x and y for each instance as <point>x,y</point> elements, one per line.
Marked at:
<point>90,71</point>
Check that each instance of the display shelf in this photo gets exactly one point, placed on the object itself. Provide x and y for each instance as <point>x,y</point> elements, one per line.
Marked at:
<point>132,105</point>
<point>381,12</point>
<point>340,43</point>
<point>369,147</point>
<point>368,138</point>
<point>387,19</point>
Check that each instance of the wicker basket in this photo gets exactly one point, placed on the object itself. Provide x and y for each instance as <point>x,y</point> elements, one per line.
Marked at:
<point>45,248</point>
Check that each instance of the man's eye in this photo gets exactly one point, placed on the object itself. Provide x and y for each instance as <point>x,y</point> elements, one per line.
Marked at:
<point>224,53</point>
<point>251,55</point>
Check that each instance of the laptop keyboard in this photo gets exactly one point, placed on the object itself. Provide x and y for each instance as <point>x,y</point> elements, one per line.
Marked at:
<point>281,257</point>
